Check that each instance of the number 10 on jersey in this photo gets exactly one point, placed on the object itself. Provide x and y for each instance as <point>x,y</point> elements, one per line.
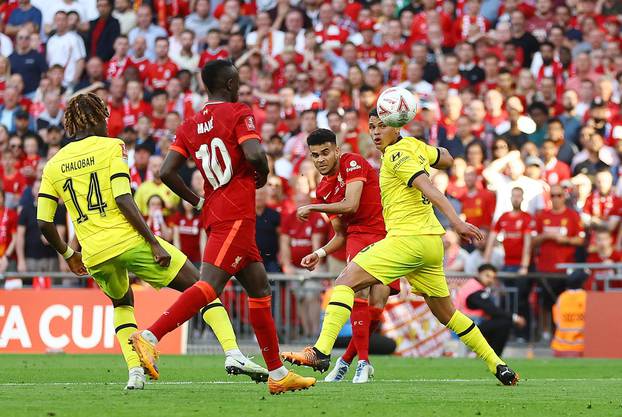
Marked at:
<point>214,172</point>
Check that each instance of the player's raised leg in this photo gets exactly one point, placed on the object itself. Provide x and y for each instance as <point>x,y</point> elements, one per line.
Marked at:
<point>255,282</point>
<point>216,317</point>
<point>470,335</point>
<point>353,278</point>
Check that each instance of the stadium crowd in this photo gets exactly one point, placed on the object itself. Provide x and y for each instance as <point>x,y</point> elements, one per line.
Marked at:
<point>524,94</point>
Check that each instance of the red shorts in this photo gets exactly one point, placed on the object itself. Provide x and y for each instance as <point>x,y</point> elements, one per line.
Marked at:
<point>356,242</point>
<point>231,246</point>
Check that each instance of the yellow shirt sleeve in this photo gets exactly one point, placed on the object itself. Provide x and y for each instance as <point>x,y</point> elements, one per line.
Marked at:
<point>406,164</point>
<point>432,153</point>
<point>47,201</point>
<point>119,173</point>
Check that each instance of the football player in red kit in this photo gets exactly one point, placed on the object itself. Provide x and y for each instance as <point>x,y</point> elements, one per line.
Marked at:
<point>225,145</point>
<point>350,195</point>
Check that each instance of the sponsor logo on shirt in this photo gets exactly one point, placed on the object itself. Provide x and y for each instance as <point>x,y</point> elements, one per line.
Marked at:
<point>353,166</point>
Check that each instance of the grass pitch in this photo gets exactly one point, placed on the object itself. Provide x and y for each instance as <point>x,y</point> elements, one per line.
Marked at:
<point>91,386</point>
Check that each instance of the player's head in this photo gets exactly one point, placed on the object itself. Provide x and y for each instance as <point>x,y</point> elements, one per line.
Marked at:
<point>324,151</point>
<point>381,134</point>
<point>221,79</point>
<point>86,114</point>
<point>487,274</point>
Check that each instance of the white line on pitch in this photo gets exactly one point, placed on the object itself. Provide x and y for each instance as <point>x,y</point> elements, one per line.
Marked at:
<point>393,381</point>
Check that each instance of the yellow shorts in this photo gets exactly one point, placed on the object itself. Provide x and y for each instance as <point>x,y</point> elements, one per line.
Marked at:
<point>418,258</point>
<point>112,275</point>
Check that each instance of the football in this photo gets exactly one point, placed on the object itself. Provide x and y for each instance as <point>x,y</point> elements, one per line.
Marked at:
<point>396,107</point>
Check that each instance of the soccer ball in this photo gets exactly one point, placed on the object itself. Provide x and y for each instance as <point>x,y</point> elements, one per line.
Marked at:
<point>396,107</point>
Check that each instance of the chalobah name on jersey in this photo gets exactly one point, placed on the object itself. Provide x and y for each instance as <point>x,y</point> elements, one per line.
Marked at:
<point>205,127</point>
<point>78,164</point>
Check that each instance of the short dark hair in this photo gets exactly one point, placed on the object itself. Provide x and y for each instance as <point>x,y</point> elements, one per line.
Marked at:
<point>214,73</point>
<point>373,112</point>
<point>321,136</point>
<point>538,105</point>
<point>158,92</point>
<point>487,267</point>
<point>547,43</point>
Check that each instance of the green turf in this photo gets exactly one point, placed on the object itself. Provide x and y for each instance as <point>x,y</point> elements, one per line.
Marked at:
<point>90,386</point>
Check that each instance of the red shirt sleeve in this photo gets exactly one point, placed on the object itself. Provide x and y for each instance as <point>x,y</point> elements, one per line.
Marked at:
<point>587,208</point>
<point>497,227</point>
<point>245,126</point>
<point>356,169</point>
<point>529,224</point>
<point>179,145</point>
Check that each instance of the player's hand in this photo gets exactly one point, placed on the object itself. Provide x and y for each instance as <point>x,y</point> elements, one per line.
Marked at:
<point>75,264</point>
<point>260,180</point>
<point>523,270</point>
<point>468,232</point>
<point>160,255</point>
<point>303,213</point>
<point>310,261</point>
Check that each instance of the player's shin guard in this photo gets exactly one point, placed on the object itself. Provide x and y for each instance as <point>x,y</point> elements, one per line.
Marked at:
<point>187,305</point>
<point>260,314</point>
<point>375,318</point>
<point>471,336</point>
<point>360,328</point>
<point>216,317</point>
<point>337,313</point>
<point>124,325</point>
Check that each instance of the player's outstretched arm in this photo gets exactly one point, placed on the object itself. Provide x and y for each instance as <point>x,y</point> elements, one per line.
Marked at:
<point>339,240</point>
<point>170,176</point>
<point>129,209</point>
<point>349,205</point>
<point>466,230</point>
<point>445,160</point>
<point>256,156</point>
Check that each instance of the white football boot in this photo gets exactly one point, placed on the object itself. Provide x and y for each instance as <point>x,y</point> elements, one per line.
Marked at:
<point>241,365</point>
<point>137,379</point>
<point>364,372</point>
<point>339,371</point>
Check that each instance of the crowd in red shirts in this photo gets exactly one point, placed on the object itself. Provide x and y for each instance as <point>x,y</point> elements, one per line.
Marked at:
<point>524,94</point>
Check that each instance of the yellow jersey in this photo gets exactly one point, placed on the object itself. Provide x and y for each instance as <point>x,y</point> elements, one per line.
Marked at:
<point>405,209</point>
<point>87,175</point>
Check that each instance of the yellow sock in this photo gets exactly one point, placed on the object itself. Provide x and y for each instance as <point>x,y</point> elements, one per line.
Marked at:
<point>471,336</point>
<point>217,318</point>
<point>337,314</point>
<point>124,326</point>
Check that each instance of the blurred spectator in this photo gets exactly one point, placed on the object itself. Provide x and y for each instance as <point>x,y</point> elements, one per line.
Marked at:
<point>555,171</point>
<point>10,108</point>
<point>27,62</point>
<point>23,14</point>
<point>186,58</point>
<point>34,253</point>
<point>477,256</point>
<point>602,207</point>
<point>604,252</point>
<point>595,156</point>
<point>155,186</point>
<point>102,32</point>
<point>188,233</point>
<point>52,114</point>
<point>503,184</point>
<point>440,179</point>
<point>455,255</point>
<point>8,230</point>
<point>125,14</point>
<point>162,69</point>
<point>478,205</point>
<point>94,73</point>
<point>66,48</point>
<point>475,299</point>
<point>267,231</point>
<point>146,29</point>
<point>155,218</point>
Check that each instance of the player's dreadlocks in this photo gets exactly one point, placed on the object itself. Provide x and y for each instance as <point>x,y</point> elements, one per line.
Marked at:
<point>83,112</point>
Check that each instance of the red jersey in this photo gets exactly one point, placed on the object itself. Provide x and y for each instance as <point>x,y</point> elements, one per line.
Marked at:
<point>567,223</point>
<point>131,112</point>
<point>556,171</point>
<point>353,167</point>
<point>479,207</point>
<point>369,54</point>
<point>300,234</point>
<point>594,284</point>
<point>212,55</point>
<point>332,37</point>
<point>115,121</point>
<point>14,184</point>
<point>514,227</point>
<point>212,137</point>
<point>158,75</point>
<point>142,65</point>
<point>420,25</point>
<point>189,235</point>
<point>601,206</point>
<point>115,68</point>
<point>8,228</point>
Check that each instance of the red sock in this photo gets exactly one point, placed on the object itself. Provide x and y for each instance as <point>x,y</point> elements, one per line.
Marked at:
<point>375,318</point>
<point>350,352</point>
<point>187,305</point>
<point>260,314</point>
<point>360,328</point>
